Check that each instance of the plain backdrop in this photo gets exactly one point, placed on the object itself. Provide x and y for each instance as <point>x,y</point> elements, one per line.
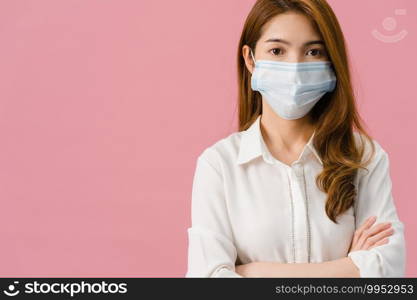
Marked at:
<point>105,106</point>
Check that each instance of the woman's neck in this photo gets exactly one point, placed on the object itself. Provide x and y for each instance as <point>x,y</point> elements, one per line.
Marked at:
<point>286,135</point>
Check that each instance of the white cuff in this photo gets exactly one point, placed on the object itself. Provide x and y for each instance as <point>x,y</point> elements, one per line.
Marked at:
<point>368,262</point>
<point>224,271</point>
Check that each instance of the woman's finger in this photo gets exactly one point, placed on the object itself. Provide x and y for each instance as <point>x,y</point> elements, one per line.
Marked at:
<point>379,236</point>
<point>372,231</point>
<point>368,222</point>
<point>360,231</point>
<point>379,243</point>
<point>378,228</point>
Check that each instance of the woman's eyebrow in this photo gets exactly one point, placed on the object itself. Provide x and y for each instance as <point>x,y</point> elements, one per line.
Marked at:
<point>288,43</point>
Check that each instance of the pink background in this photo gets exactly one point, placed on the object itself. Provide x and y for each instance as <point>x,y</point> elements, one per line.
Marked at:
<point>105,106</point>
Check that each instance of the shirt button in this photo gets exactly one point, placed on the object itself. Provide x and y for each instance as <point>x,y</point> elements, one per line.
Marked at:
<point>298,169</point>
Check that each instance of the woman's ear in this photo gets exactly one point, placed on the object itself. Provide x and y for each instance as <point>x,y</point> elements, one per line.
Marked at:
<point>250,64</point>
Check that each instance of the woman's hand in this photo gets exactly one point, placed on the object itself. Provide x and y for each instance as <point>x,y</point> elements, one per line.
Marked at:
<point>366,238</point>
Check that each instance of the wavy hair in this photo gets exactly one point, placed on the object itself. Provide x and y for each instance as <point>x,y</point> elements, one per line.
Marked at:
<point>335,116</point>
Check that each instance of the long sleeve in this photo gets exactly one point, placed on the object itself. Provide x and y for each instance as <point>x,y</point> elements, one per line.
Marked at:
<point>375,198</point>
<point>211,252</point>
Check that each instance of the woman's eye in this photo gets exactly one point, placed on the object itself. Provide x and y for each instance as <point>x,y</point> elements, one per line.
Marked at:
<point>315,52</point>
<point>276,51</point>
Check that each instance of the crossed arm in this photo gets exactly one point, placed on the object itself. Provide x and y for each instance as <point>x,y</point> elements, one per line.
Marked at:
<point>366,237</point>
<point>343,267</point>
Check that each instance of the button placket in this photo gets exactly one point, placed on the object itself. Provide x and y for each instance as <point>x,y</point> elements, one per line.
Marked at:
<point>293,244</point>
<point>300,215</point>
<point>298,169</point>
<point>307,219</point>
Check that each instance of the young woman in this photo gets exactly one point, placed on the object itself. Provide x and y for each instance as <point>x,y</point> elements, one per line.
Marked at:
<point>296,192</point>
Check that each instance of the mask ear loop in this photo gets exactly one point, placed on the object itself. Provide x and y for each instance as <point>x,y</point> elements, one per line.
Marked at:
<point>251,53</point>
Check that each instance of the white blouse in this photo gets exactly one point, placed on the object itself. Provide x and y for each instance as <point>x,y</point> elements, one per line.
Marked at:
<point>248,206</point>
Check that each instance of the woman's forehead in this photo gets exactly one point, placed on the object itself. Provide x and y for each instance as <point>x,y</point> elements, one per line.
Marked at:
<point>290,26</point>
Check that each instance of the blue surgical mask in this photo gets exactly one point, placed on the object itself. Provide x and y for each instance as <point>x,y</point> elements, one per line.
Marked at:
<point>292,89</point>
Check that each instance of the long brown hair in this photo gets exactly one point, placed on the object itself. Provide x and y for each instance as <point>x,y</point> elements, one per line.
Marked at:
<point>335,116</point>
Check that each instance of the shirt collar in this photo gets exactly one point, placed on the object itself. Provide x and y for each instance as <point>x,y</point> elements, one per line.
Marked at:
<point>252,145</point>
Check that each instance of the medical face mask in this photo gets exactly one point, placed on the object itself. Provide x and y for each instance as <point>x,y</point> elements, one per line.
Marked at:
<point>292,89</point>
